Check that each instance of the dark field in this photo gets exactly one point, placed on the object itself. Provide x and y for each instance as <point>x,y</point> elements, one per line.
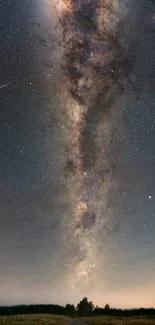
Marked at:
<point>103,320</point>
<point>62,320</point>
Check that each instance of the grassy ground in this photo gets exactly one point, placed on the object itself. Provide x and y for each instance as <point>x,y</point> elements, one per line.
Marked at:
<point>35,319</point>
<point>61,320</point>
<point>105,320</point>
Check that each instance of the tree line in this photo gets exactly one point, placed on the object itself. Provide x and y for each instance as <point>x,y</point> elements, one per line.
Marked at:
<point>83,308</point>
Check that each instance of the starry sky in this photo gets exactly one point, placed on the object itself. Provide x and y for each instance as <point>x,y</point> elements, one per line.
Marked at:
<point>41,241</point>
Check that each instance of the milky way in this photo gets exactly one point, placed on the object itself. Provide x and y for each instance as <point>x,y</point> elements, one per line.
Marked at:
<point>94,69</point>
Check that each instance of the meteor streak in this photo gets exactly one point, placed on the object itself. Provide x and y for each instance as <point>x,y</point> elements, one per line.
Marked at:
<point>5,85</point>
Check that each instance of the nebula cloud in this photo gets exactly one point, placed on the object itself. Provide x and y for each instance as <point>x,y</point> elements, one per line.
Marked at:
<point>94,70</point>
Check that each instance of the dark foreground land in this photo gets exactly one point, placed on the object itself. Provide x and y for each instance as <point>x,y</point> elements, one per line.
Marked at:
<point>62,320</point>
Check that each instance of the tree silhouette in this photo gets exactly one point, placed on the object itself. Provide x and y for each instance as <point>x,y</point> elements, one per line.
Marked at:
<point>107,307</point>
<point>70,310</point>
<point>85,307</point>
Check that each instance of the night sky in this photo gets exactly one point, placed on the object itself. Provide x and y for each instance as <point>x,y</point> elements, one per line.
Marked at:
<point>41,240</point>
